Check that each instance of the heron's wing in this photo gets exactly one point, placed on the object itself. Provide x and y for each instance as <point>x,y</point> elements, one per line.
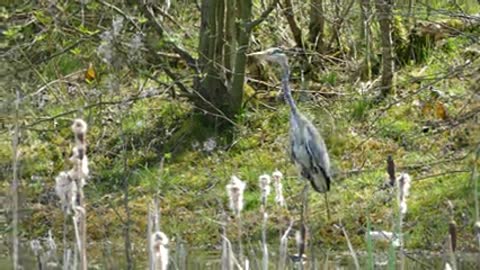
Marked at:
<point>320,161</point>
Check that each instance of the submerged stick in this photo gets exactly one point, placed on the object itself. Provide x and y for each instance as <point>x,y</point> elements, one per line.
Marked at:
<point>350,247</point>
<point>283,248</point>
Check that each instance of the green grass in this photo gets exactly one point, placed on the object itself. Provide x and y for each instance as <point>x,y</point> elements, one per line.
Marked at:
<point>191,186</point>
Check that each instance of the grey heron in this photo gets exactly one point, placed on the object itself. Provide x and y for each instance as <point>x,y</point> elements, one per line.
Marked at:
<point>307,148</point>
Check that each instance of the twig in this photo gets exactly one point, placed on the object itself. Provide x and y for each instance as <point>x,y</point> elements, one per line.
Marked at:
<point>166,15</point>
<point>440,174</point>
<point>263,16</point>
<point>45,59</point>
<point>121,12</point>
<point>350,247</point>
<point>116,102</point>
<point>191,62</point>
<point>426,265</point>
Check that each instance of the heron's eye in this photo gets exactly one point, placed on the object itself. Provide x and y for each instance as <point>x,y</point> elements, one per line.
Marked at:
<point>277,51</point>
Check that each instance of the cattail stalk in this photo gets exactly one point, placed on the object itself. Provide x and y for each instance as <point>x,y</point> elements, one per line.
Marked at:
<point>235,191</point>
<point>151,262</point>
<point>282,255</point>
<point>264,183</point>
<point>37,250</point>
<point>79,174</point>
<point>160,250</point>
<point>452,236</point>
<point>303,229</point>
<point>14,187</point>
<point>403,187</point>
<point>227,254</point>
<point>153,227</point>
<point>69,188</point>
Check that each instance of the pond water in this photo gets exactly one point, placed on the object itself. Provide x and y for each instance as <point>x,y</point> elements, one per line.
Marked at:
<point>200,259</point>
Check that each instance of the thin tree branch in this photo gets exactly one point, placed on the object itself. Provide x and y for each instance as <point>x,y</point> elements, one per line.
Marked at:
<point>122,13</point>
<point>263,16</point>
<point>191,62</point>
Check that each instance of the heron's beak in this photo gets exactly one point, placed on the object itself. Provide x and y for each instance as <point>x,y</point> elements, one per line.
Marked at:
<point>260,54</point>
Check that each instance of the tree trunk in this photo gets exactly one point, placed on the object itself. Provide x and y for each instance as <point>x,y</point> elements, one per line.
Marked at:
<point>230,37</point>
<point>296,31</point>
<point>317,25</point>
<point>366,34</point>
<point>384,16</point>
<point>236,90</point>
<point>211,84</point>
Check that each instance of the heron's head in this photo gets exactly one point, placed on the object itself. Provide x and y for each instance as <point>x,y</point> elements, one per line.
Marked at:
<point>274,54</point>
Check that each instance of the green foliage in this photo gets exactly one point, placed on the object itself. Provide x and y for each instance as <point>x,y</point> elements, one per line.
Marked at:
<point>131,129</point>
<point>329,78</point>
<point>360,109</point>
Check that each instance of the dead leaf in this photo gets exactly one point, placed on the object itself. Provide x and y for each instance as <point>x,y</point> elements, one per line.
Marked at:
<point>440,111</point>
<point>427,108</point>
<point>90,74</point>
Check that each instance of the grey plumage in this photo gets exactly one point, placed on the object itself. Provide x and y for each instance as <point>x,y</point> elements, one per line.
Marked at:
<point>307,148</point>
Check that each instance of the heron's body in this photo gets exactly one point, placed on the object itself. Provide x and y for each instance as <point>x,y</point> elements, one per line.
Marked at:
<point>307,148</point>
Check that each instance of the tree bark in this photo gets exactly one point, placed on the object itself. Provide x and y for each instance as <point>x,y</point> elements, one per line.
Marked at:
<point>316,25</point>
<point>296,31</point>
<point>384,16</point>
<point>211,86</point>
<point>230,36</point>
<point>366,34</point>
<point>236,91</point>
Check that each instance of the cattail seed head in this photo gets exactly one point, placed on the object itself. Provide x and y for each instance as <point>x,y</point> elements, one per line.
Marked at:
<point>403,181</point>
<point>160,249</point>
<point>79,128</point>
<point>264,183</point>
<point>277,183</point>
<point>63,189</point>
<point>277,175</point>
<point>80,163</point>
<point>36,247</point>
<point>235,194</point>
<point>476,229</point>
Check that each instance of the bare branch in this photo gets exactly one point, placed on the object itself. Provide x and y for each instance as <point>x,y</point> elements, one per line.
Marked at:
<point>123,14</point>
<point>191,62</point>
<point>263,16</point>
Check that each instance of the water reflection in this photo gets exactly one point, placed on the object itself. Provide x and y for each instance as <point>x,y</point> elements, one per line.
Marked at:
<point>182,258</point>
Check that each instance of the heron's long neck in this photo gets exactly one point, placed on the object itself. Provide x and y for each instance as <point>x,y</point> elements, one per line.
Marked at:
<point>286,90</point>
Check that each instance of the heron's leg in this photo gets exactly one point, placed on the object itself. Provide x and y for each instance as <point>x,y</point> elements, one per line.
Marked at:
<point>328,208</point>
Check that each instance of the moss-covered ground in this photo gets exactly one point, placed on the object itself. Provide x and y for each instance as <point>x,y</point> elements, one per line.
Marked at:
<point>430,127</point>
